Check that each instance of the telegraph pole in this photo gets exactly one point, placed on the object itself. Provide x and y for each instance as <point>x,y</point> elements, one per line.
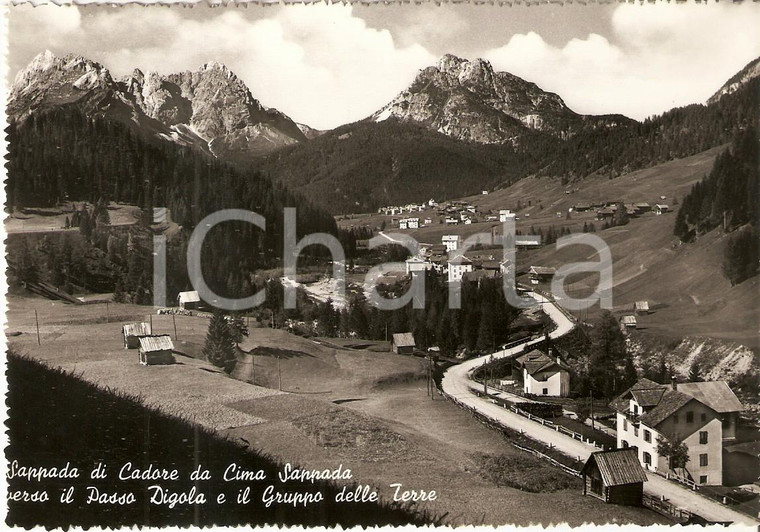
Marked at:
<point>279,375</point>
<point>37,321</point>
<point>174,322</point>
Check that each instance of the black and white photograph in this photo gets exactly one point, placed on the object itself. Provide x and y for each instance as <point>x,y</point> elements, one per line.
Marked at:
<point>366,264</point>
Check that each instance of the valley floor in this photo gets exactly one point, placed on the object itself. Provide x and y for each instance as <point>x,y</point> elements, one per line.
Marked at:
<point>366,410</point>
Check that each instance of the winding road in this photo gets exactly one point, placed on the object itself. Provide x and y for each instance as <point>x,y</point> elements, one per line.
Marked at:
<point>457,383</point>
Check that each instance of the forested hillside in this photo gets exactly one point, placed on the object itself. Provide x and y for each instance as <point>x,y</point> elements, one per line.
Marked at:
<point>64,155</point>
<point>728,198</point>
<point>362,166</point>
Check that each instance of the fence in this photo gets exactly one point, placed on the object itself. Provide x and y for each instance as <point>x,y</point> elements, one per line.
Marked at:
<point>666,508</point>
<point>496,425</point>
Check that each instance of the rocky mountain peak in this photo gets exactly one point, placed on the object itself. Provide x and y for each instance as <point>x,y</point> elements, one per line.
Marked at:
<point>468,100</point>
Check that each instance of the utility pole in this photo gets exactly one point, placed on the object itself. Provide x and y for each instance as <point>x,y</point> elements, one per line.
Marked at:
<point>150,317</point>
<point>108,313</point>
<point>174,322</point>
<point>37,321</point>
<point>279,375</point>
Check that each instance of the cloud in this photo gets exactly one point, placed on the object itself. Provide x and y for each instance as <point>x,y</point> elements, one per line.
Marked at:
<point>657,57</point>
<point>319,64</point>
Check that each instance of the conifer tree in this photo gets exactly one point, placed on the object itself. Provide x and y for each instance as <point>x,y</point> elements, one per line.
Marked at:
<point>219,348</point>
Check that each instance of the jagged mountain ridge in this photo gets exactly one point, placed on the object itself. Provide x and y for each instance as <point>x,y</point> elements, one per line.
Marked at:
<point>210,108</point>
<point>470,101</point>
<point>738,80</point>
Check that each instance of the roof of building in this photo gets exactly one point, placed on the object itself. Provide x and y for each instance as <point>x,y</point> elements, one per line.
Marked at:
<point>663,400</point>
<point>715,394</point>
<point>641,305</point>
<point>490,265</point>
<point>460,259</point>
<point>661,206</point>
<point>188,297</point>
<point>404,339</point>
<point>536,361</point>
<point>161,342</point>
<point>135,329</point>
<point>628,320</point>
<point>617,467</point>
<point>528,240</point>
<point>542,270</point>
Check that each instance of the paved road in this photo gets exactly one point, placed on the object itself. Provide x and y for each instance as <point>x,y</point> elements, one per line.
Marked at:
<point>457,383</point>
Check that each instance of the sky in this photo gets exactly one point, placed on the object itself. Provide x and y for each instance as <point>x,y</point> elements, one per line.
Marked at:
<point>326,65</point>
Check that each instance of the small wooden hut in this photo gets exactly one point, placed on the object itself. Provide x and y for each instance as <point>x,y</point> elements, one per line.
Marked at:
<point>155,350</point>
<point>615,477</point>
<point>132,333</point>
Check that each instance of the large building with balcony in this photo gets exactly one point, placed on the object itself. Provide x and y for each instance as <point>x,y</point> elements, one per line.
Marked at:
<point>702,415</point>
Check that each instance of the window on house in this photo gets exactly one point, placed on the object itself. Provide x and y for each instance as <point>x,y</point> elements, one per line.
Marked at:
<point>647,458</point>
<point>703,460</point>
<point>635,430</point>
<point>726,421</point>
<point>546,391</point>
<point>624,444</point>
<point>703,479</point>
<point>647,436</point>
<point>702,436</point>
<point>635,410</point>
<point>625,424</point>
<point>703,416</point>
<point>689,417</point>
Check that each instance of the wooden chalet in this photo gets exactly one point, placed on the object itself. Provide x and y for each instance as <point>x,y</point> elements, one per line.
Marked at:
<point>132,333</point>
<point>188,300</point>
<point>615,477</point>
<point>156,350</point>
<point>403,343</point>
<point>540,274</point>
<point>641,307</point>
<point>628,322</point>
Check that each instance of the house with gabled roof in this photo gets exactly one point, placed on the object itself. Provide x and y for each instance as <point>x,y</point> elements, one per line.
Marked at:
<point>692,413</point>
<point>544,374</point>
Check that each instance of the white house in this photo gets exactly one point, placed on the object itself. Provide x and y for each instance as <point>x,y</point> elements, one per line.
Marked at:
<point>416,264</point>
<point>458,266</point>
<point>413,223</point>
<point>450,220</point>
<point>544,374</point>
<point>451,242</point>
<point>661,209</point>
<point>506,214</point>
<point>702,415</point>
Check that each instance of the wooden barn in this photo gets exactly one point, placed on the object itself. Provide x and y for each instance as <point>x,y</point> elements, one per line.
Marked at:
<point>132,333</point>
<point>156,350</point>
<point>628,322</point>
<point>188,300</point>
<point>641,307</point>
<point>403,343</point>
<point>615,477</point>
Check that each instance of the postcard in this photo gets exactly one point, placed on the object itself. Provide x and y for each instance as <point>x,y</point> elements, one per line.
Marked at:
<point>382,264</point>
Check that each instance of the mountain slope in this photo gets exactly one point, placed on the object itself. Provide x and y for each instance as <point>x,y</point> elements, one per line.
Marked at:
<point>362,166</point>
<point>468,100</point>
<point>210,108</point>
<point>741,78</point>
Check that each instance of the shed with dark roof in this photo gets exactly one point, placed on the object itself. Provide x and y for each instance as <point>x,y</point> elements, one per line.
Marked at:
<point>615,477</point>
